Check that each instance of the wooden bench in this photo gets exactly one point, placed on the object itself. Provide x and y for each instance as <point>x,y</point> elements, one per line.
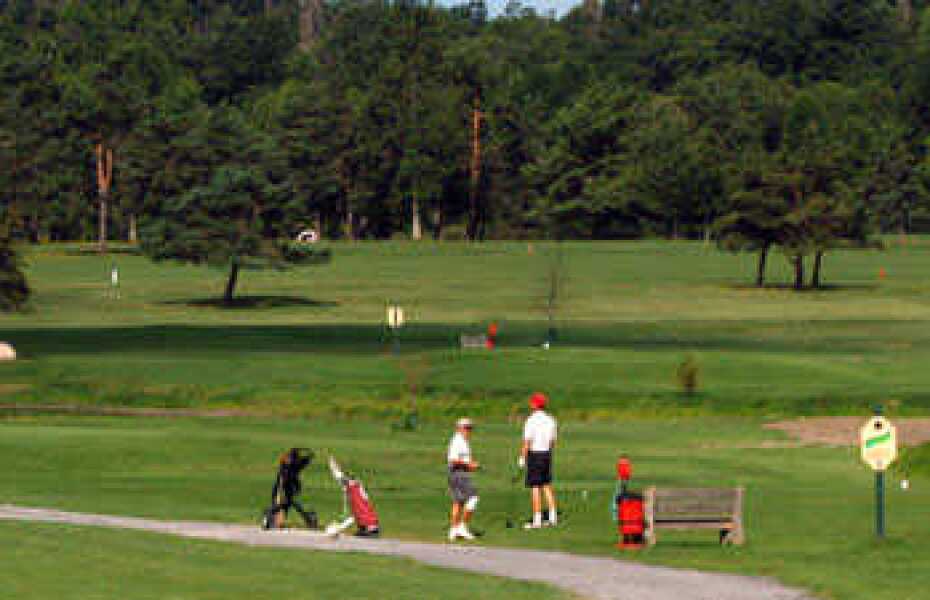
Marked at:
<point>720,509</point>
<point>473,341</point>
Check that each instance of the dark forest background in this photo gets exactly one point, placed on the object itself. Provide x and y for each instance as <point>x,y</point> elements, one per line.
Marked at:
<point>210,130</point>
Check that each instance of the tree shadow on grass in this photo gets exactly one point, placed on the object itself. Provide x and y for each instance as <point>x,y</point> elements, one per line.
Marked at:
<point>254,302</point>
<point>787,287</point>
<point>712,542</point>
<point>94,250</point>
<point>360,337</point>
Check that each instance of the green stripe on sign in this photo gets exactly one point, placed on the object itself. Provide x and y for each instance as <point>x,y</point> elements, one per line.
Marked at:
<point>875,441</point>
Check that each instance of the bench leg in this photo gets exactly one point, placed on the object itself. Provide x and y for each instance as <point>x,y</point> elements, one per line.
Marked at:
<point>733,536</point>
<point>737,538</point>
<point>650,516</point>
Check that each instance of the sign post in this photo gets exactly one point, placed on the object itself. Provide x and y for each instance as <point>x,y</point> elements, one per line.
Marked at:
<point>879,446</point>
<point>395,320</point>
<point>113,290</point>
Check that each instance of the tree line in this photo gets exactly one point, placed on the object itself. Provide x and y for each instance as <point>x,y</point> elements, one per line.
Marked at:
<point>214,131</point>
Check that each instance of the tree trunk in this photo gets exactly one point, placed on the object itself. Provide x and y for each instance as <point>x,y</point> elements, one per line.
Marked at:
<point>310,22</point>
<point>231,283</point>
<point>815,275</point>
<point>437,221</point>
<point>348,225</point>
<point>102,222</point>
<point>799,272</point>
<point>133,229</point>
<point>475,169</point>
<point>104,179</point>
<point>416,228</point>
<point>760,270</point>
<point>905,11</point>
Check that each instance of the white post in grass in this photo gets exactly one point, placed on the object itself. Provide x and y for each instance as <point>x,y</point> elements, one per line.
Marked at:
<point>395,320</point>
<point>113,291</point>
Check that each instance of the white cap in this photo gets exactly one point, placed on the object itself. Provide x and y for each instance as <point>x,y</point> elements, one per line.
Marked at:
<point>464,423</point>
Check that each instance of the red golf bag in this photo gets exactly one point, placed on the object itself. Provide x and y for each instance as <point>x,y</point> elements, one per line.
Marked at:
<point>366,518</point>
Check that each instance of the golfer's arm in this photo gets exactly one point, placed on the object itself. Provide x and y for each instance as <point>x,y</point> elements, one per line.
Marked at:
<point>525,449</point>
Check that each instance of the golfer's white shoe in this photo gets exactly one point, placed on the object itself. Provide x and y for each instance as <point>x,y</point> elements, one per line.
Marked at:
<point>532,525</point>
<point>460,531</point>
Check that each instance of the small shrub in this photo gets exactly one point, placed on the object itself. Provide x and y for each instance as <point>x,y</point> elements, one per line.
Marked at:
<point>453,233</point>
<point>416,370</point>
<point>14,291</point>
<point>689,375</point>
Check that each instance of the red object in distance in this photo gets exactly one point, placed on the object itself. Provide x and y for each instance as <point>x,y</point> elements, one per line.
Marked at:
<point>624,469</point>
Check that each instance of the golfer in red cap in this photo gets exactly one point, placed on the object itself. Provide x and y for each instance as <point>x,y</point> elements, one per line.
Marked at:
<point>539,435</point>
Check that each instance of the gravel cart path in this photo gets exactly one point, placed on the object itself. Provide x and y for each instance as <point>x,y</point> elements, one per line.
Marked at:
<point>589,577</point>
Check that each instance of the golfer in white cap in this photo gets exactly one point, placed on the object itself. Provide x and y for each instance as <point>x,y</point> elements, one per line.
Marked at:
<point>461,489</point>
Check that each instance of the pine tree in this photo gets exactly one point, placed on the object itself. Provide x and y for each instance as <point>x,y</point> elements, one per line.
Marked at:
<point>14,291</point>
<point>227,202</point>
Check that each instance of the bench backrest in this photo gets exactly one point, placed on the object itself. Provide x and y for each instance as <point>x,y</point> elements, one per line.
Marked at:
<point>681,503</point>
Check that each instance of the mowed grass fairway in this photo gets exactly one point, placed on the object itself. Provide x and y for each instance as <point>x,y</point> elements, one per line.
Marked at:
<point>809,510</point>
<point>65,562</point>
<point>306,353</point>
<point>312,340</point>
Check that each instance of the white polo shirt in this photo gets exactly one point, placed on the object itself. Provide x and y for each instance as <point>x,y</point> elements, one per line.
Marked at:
<point>540,431</point>
<point>459,449</point>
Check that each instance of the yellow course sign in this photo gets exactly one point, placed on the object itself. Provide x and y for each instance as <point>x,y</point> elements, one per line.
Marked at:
<point>395,316</point>
<point>879,443</point>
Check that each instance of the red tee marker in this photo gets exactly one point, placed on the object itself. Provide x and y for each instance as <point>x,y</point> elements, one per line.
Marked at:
<point>492,336</point>
<point>882,273</point>
<point>624,469</point>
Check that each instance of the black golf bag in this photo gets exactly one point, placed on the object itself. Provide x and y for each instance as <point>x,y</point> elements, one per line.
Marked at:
<point>287,488</point>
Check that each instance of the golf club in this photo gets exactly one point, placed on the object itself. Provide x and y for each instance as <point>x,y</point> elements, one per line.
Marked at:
<point>512,497</point>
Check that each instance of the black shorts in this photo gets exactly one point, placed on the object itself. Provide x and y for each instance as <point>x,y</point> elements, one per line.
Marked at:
<point>538,468</point>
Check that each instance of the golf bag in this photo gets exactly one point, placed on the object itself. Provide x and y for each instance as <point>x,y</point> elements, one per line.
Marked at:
<point>287,488</point>
<point>359,504</point>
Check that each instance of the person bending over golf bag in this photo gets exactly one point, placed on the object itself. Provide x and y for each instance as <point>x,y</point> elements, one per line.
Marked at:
<point>287,488</point>
<point>363,511</point>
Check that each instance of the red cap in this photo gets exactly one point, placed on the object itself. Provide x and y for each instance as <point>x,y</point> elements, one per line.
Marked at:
<point>538,400</point>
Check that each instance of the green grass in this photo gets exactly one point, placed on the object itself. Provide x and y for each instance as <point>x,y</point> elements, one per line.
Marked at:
<point>66,562</point>
<point>313,342</point>
<point>809,510</point>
